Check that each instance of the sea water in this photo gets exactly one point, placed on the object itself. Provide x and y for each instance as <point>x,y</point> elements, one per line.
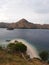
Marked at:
<point>36,37</point>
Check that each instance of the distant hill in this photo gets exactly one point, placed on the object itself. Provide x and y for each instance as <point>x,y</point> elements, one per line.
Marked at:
<point>4,25</point>
<point>23,24</point>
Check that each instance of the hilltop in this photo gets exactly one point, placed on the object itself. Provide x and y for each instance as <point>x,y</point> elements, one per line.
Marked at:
<point>23,24</point>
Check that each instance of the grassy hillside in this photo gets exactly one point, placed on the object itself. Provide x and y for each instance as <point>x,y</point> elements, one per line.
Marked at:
<point>16,59</point>
<point>15,56</point>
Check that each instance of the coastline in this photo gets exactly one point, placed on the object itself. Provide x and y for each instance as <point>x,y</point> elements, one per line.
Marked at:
<point>31,50</point>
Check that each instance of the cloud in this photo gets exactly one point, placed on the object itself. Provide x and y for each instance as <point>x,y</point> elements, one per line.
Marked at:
<point>36,11</point>
<point>40,6</point>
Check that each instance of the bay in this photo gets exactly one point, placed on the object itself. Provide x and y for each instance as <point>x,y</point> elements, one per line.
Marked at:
<point>37,37</point>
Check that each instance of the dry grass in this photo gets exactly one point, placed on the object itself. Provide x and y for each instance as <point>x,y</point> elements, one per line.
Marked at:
<point>16,59</point>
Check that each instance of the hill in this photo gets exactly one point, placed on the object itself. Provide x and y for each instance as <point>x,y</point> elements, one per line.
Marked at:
<point>23,24</point>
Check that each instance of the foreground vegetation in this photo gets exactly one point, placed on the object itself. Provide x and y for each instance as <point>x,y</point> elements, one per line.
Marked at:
<point>15,54</point>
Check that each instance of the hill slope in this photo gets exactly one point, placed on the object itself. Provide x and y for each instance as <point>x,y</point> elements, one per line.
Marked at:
<point>17,59</point>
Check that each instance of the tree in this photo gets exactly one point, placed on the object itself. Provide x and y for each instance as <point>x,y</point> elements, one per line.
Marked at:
<point>20,47</point>
<point>44,55</point>
<point>17,47</point>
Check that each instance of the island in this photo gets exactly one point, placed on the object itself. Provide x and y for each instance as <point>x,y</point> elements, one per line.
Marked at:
<point>23,24</point>
<point>10,28</point>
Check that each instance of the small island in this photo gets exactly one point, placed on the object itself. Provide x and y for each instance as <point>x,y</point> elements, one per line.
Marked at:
<point>10,28</point>
<point>8,40</point>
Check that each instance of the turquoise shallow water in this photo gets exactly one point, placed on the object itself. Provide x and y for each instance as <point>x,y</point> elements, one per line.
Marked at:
<point>37,37</point>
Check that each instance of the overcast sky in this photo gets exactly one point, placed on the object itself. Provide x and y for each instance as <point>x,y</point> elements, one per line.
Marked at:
<point>35,11</point>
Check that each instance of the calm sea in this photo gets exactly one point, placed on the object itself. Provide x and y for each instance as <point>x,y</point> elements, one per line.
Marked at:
<point>37,37</point>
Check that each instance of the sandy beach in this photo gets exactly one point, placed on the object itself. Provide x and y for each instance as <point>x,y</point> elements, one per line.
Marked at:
<point>31,50</point>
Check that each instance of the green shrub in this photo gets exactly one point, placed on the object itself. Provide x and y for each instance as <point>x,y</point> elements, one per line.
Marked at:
<point>20,47</point>
<point>1,48</point>
<point>17,47</point>
<point>44,55</point>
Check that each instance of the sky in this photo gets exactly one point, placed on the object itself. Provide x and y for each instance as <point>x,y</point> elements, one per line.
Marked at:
<point>35,11</point>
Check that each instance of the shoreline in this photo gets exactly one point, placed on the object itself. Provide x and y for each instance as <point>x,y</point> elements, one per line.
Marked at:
<point>31,50</point>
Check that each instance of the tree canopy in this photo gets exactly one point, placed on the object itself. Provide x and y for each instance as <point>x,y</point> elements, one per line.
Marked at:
<point>17,47</point>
